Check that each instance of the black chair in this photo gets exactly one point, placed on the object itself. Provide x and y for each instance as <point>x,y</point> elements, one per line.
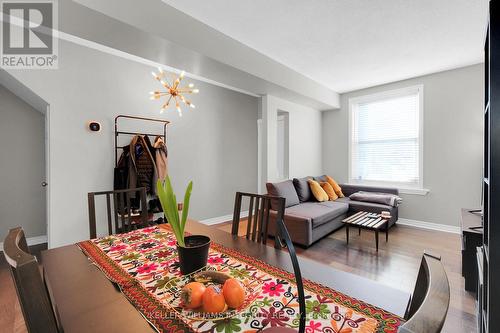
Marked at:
<point>258,215</point>
<point>257,226</point>
<point>31,290</point>
<point>123,214</point>
<point>430,300</point>
<point>284,239</point>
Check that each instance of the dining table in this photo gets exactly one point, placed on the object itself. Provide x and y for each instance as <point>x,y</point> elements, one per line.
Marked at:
<point>85,300</point>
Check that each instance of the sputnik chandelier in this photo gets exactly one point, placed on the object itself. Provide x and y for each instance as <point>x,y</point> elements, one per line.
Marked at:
<point>173,91</point>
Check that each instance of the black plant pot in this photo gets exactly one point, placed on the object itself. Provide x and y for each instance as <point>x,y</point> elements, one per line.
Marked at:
<point>194,255</point>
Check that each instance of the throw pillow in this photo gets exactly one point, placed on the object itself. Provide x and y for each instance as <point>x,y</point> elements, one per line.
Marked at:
<point>336,187</point>
<point>317,191</point>
<point>283,189</point>
<point>302,188</point>
<point>329,190</point>
<point>320,179</point>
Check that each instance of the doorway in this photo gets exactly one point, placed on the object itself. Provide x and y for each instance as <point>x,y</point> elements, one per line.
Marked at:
<point>23,198</point>
<point>282,145</point>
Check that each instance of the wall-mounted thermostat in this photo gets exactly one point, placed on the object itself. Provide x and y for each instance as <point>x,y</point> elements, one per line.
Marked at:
<point>94,126</point>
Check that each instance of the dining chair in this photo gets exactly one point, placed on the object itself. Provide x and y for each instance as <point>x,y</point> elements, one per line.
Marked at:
<point>283,237</point>
<point>259,208</point>
<point>257,230</point>
<point>31,290</point>
<point>121,212</point>
<point>430,299</point>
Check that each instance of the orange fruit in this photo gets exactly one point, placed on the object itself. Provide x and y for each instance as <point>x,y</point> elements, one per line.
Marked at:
<point>192,295</point>
<point>213,300</point>
<point>234,293</point>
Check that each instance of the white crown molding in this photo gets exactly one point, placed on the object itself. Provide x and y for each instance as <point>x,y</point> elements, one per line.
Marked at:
<point>222,219</point>
<point>429,225</point>
<point>31,241</point>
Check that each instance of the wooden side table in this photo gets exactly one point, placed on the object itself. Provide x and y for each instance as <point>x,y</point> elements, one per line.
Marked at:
<point>368,221</point>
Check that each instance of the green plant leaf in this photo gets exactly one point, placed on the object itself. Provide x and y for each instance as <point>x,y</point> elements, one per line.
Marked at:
<point>185,207</point>
<point>168,202</point>
<point>169,205</point>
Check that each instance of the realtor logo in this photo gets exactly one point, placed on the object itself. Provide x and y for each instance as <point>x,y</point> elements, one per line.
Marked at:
<point>28,39</point>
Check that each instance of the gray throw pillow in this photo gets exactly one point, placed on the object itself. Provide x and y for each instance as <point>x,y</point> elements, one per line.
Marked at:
<point>320,178</point>
<point>285,190</point>
<point>303,189</point>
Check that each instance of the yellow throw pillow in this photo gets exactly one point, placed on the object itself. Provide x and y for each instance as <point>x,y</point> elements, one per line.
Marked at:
<point>329,190</point>
<point>317,191</point>
<point>336,187</point>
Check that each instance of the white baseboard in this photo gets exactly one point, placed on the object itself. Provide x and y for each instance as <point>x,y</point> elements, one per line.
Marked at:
<point>401,221</point>
<point>222,219</point>
<point>31,241</point>
<point>429,225</point>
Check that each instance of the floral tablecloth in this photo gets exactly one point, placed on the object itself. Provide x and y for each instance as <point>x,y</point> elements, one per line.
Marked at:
<point>144,263</point>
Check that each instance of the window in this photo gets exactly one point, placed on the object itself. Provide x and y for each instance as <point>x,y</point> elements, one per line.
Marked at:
<point>386,138</point>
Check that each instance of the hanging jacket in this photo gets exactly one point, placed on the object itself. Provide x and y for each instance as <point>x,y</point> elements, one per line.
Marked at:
<point>142,168</point>
<point>121,172</point>
<point>161,157</point>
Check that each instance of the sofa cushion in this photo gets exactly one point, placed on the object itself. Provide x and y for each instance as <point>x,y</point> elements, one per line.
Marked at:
<point>332,182</point>
<point>302,188</point>
<point>318,191</point>
<point>336,187</point>
<point>329,191</point>
<point>376,197</point>
<point>317,212</point>
<point>350,189</point>
<point>363,205</point>
<point>320,179</point>
<point>285,190</point>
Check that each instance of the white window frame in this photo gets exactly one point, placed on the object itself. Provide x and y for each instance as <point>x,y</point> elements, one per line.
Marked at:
<point>404,188</point>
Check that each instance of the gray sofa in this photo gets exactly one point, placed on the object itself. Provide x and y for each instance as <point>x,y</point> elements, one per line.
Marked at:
<point>308,220</point>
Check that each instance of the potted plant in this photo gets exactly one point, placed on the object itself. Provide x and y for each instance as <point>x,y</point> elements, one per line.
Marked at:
<point>192,250</point>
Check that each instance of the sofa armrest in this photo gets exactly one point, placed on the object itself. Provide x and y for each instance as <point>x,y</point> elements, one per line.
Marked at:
<point>350,189</point>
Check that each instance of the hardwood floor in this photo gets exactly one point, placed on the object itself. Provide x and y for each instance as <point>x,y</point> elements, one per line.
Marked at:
<point>396,263</point>
<point>11,317</point>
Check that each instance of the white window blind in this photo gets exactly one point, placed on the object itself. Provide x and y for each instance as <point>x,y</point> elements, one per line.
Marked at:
<point>386,138</point>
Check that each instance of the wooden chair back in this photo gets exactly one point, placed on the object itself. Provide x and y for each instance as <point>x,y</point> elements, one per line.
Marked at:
<point>120,216</point>
<point>430,300</point>
<point>31,290</point>
<point>258,215</point>
<point>257,230</point>
<point>283,237</point>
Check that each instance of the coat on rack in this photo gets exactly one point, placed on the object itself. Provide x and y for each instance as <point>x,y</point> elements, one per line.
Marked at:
<point>136,166</point>
<point>161,157</point>
<point>142,170</point>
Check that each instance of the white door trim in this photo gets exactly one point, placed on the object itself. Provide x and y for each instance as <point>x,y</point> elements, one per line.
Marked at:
<point>47,176</point>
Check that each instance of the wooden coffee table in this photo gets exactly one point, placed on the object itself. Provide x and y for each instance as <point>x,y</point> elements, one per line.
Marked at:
<point>369,221</point>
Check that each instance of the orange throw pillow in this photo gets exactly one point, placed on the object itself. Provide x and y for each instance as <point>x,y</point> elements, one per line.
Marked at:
<point>336,187</point>
<point>317,191</point>
<point>329,190</point>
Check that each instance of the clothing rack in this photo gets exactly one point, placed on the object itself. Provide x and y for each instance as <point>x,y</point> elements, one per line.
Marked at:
<point>118,133</point>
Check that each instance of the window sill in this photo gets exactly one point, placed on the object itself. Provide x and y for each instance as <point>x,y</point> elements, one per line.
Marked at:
<point>414,191</point>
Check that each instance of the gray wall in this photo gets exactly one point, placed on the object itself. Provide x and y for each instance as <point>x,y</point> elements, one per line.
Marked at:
<point>452,143</point>
<point>215,144</point>
<point>22,166</point>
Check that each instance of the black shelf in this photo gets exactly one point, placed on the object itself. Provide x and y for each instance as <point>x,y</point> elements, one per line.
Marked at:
<point>488,308</point>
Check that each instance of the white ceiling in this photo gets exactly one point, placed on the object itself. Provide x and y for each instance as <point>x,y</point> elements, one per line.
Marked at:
<point>352,44</point>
